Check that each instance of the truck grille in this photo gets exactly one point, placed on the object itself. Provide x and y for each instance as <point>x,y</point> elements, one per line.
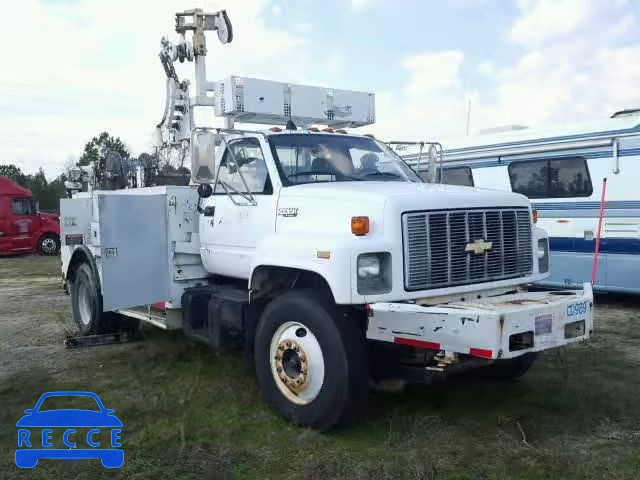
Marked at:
<point>436,245</point>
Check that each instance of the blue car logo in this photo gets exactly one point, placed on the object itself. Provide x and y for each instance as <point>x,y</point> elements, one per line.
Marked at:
<point>36,431</point>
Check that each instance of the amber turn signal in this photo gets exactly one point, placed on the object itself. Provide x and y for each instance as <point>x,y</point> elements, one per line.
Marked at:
<point>359,225</point>
<point>535,215</point>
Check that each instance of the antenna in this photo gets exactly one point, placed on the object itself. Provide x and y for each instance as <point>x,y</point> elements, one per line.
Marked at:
<point>468,116</point>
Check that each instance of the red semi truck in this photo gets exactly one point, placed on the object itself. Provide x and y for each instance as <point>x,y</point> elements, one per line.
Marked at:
<point>23,229</point>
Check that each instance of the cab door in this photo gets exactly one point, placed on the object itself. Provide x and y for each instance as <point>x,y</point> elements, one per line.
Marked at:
<point>23,223</point>
<point>241,212</point>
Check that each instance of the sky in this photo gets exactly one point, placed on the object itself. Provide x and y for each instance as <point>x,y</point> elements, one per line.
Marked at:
<point>79,67</point>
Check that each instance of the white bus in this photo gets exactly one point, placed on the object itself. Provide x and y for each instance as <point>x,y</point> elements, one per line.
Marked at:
<point>561,170</point>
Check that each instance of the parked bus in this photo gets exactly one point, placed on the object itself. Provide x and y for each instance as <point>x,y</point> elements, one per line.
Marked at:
<point>562,170</point>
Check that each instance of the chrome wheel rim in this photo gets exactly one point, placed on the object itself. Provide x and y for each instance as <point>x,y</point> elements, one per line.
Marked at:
<point>48,245</point>
<point>297,363</point>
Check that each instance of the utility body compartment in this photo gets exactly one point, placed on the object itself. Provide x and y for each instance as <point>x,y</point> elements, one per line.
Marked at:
<point>144,241</point>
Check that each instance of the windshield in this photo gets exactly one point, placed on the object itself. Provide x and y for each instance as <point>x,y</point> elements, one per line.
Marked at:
<point>319,158</point>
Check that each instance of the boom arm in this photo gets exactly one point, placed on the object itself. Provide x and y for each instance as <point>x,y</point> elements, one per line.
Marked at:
<point>177,120</point>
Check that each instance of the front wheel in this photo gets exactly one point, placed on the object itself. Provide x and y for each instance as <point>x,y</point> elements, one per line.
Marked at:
<point>311,361</point>
<point>49,245</point>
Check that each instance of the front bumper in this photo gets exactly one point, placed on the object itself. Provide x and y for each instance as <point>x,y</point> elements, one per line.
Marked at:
<point>502,326</point>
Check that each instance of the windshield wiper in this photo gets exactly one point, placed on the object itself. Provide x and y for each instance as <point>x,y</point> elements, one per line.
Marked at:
<point>349,177</point>
<point>339,176</point>
<point>386,174</point>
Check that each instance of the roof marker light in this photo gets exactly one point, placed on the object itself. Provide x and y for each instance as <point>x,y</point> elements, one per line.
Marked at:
<point>328,130</point>
<point>275,129</point>
<point>341,130</point>
<point>313,129</point>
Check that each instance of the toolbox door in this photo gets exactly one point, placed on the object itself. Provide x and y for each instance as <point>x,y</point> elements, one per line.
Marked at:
<point>75,221</point>
<point>134,249</point>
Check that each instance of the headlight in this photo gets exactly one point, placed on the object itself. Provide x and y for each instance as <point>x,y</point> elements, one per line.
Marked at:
<point>368,266</point>
<point>543,255</point>
<point>374,273</point>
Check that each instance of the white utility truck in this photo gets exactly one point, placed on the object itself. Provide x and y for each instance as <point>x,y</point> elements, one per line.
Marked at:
<point>319,253</point>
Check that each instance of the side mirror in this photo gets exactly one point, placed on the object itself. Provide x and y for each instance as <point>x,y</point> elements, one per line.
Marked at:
<point>203,155</point>
<point>204,190</point>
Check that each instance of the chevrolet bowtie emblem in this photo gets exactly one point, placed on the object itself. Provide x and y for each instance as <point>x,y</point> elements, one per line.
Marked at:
<point>478,247</point>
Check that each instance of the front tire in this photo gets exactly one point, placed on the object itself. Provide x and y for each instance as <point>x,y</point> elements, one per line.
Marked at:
<point>311,361</point>
<point>49,245</point>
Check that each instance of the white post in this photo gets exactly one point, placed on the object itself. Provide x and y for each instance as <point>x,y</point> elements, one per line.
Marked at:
<point>139,177</point>
<point>201,80</point>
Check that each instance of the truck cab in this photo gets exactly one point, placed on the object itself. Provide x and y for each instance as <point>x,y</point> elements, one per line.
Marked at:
<point>23,229</point>
<point>285,197</point>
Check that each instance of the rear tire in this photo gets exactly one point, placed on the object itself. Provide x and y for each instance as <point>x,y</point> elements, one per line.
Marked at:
<point>86,303</point>
<point>511,369</point>
<point>49,245</point>
<point>311,361</point>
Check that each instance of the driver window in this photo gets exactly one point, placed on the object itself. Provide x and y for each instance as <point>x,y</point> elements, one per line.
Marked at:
<point>250,163</point>
<point>22,206</point>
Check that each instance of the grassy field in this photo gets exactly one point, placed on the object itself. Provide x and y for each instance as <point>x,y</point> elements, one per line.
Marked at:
<point>189,412</point>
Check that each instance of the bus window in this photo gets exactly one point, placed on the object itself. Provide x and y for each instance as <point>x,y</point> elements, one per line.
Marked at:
<point>457,176</point>
<point>551,178</point>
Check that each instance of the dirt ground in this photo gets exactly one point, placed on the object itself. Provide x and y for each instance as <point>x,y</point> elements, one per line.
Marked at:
<point>189,412</point>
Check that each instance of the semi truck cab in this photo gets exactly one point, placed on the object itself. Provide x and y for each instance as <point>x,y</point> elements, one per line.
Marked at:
<point>23,228</point>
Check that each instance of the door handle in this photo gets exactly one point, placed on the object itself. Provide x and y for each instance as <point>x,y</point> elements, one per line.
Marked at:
<point>209,211</point>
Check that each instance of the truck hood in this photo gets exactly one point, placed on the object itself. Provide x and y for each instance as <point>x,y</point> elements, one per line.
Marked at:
<point>327,208</point>
<point>50,217</point>
<point>412,195</point>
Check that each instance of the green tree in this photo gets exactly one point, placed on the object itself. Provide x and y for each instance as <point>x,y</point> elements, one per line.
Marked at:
<point>49,199</point>
<point>39,187</point>
<point>14,173</point>
<point>48,194</point>
<point>98,147</point>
